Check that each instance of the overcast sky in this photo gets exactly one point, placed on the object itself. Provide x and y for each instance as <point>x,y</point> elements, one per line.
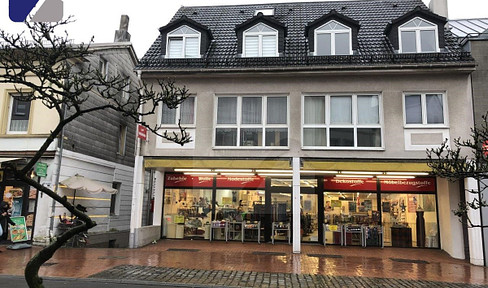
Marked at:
<point>100,18</point>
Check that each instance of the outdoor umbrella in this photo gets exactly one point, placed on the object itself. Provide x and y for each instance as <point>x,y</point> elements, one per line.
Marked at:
<point>78,182</point>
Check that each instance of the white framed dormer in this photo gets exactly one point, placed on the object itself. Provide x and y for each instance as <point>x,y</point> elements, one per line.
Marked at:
<point>183,42</point>
<point>333,38</point>
<point>418,36</point>
<point>260,41</point>
<point>168,119</point>
<point>18,115</point>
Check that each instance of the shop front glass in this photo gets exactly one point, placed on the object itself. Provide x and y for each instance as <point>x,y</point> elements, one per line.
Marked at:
<point>349,209</point>
<point>409,220</point>
<point>308,217</point>
<point>187,213</point>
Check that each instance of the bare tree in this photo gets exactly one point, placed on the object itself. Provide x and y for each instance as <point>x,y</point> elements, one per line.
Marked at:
<point>50,69</point>
<point>467,159</point>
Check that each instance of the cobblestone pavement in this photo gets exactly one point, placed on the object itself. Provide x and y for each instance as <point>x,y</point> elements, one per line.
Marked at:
<point>220,278</point>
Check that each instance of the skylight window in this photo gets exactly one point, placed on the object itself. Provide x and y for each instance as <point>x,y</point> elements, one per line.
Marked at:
<point>266,12</point>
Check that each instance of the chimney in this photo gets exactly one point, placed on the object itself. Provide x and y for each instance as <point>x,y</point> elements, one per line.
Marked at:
<point>439,7</point>
<point>122,35</point>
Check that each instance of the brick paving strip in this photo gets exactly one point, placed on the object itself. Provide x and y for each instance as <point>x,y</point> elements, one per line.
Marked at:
<point>219,278</point>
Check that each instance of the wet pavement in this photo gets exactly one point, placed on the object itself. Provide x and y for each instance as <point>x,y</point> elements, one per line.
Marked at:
<point>235,264</point>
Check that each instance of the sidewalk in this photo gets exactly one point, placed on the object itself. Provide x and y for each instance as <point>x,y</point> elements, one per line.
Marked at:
<point>235,264</point>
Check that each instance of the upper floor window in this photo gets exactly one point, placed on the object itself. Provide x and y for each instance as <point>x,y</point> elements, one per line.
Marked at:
<point>333,38</point>
<point>184,113</point>
<point>418,36</point>
<point>103,67</point>
<point>424,109</point>
<point>183,42</point>
<point>342,121</point>
<point>122,139</point>
<point>19,115</point>
<point>260,121</point>
<point>261,41</point>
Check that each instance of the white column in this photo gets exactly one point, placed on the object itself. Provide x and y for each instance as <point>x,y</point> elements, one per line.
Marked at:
<point>158,197</point>
<point>137,199</point>
<point>475,239</point>
<point>296,205</point>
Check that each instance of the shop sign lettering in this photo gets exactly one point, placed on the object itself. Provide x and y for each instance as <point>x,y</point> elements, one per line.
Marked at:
<point>240,182</point>
<point>350,184</point>
<point>408,185</point>
<point>181,180</point>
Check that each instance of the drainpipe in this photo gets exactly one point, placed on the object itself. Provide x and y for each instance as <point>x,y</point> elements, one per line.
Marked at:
<point>137,189</point>
<point>56,176</point>
<point>296,205</point>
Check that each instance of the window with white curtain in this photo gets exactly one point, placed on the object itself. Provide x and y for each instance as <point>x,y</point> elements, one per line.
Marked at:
<point>185,113</point>
<point>418,36</point>
<point>342,121</point>
<point>333,38</point>
<point>260,41</point>
<point>424,109</point>
<point>19,115</point>
<point>251,121</point>
<point>183,42</point>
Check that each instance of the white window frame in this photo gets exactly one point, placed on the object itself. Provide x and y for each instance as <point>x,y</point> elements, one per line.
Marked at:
<point>178,115</point>
<point>11,106</point>
<point>184,36</point>
<point>417,30</point>
<point>260,40</point>
<point>327,125</point>
<point>122,143</point>
<point>423,103</point>
<point>264,125</point>
<point>103,66</point>
<point>332,38</point>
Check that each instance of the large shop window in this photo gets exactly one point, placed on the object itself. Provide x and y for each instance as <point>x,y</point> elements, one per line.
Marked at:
<point>342,121</point>
<point>409,220</point>
<point>252,121</point>
<point>188,213</point>
<point>424,109</point>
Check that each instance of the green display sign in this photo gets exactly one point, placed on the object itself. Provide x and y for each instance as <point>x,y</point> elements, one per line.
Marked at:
<point>41,169</point>
<point>18,233</point>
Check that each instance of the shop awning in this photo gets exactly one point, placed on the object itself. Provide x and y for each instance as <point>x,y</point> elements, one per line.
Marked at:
<point>218,163</point>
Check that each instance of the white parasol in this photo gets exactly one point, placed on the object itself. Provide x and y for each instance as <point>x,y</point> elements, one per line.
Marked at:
<point>78,182</point>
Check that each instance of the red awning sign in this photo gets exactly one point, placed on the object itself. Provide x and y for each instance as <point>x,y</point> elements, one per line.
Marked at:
<point>248,182</point>
<point>349,184</point>
<point>408,185</point>
<point>182,180</point>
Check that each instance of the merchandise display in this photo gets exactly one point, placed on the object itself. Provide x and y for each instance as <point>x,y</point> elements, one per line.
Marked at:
<point>281,229</point>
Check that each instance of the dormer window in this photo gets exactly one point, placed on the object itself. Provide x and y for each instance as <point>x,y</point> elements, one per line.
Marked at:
<point>183,42</point>
<point>333,38</point>
<point>260,41</point>
<point>418,36</point>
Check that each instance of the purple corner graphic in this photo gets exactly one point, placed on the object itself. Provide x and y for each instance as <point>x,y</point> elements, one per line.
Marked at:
<point>19,9</point>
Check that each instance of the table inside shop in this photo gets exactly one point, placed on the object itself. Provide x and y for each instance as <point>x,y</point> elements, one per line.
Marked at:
<point>279,227</point>
<point>217,226</point>
<point>251,227</point>
<point>336,230</point>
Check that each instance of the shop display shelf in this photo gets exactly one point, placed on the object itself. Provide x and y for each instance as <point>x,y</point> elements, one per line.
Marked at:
<point>220,227</point>
<point>373,236</point>
<point>280,227</point>
<point>234,230</point>
<point>337,233</point>
<point>250,227</point>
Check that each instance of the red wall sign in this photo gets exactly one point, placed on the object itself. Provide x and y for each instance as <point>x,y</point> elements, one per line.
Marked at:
<point>350,184</point>
<point>408,185</point>
<point>141,132</point>
<point>182,180</point>
<point>241,182</point>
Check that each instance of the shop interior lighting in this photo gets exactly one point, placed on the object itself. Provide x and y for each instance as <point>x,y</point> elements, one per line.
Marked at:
<point>191,170</point>
<point>274,171</point>
<point>199,173</point>
<point>233,170</point>
<point>236,174</point>
<point>395,177</point>
<point>354,176</point>
<point>276,174</point>
<point>317,172</point>
<point>408,173</point>
<point>361,172</point>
